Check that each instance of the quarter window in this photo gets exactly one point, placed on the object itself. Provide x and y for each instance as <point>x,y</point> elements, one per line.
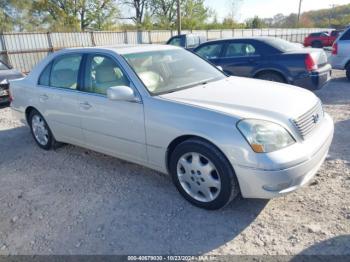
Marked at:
<point>239,49</point>
<point>101,73</point>
<point>45,76</point>
<point>3,66</point>
<point>210,51</point>
<point>65,71</point>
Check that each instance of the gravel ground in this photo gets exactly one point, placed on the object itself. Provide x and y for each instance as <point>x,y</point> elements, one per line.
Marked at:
<point>75,201</point>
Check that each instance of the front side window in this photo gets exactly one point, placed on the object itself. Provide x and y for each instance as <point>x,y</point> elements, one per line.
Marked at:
<point>3,66</point>
<point>65,71</point>
<point>101,73</point>
<point>239,49</point>
<point>210,51</point>
<point>171,70</point>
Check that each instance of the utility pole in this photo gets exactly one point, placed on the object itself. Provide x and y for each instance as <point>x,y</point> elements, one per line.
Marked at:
<point>299,12</point>
<point>178,18</point>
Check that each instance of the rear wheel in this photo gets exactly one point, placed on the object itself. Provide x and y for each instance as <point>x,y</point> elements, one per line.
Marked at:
<point>202,174</point>
<point>40,130</point>
<point>317,44</point>
<point>271,76</point>
<point>348,71</point>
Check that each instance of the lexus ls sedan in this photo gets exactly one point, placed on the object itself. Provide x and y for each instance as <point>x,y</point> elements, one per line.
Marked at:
<point>168,109</point>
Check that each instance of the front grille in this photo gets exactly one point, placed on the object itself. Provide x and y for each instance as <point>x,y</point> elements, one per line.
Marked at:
<point>309,120</point>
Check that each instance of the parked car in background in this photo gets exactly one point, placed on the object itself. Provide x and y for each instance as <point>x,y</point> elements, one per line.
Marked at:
<point>269,58</point>
<point>6,73</point>
<point>340,58</point>
<point>321,39</point>
<point>187,41</point>
<point>166,108</point>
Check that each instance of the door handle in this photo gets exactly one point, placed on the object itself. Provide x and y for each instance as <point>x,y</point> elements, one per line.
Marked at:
<point>85,105</point>
<point>43,97</point>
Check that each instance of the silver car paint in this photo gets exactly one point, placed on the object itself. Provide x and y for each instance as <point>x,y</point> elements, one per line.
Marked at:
<point>142,132</point>
<point>340,60</point>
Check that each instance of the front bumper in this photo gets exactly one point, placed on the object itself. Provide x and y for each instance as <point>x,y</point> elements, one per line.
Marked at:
<point>316,79</point>
<point>264,183</point>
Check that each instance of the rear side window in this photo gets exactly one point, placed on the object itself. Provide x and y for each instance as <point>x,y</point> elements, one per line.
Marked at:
<point>64,72</point>
<point>45,76</point>
<point>346,35</point>
<point>210,51</point>
<point>239,49</point>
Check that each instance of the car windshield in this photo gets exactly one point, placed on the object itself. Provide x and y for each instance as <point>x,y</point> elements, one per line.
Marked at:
<point>171,70</point>
<point>283,45</point>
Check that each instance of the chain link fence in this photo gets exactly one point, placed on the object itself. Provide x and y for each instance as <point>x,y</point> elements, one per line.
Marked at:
<point>24,50</point>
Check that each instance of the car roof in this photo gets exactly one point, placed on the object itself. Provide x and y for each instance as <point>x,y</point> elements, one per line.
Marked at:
<point>257,38</point>
<point>124,48</point>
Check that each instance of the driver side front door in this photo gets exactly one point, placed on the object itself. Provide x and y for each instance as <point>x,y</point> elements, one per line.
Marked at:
<point>112,127</point>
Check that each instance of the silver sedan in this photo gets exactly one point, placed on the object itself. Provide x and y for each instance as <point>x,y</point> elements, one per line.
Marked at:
<point>169,110</point>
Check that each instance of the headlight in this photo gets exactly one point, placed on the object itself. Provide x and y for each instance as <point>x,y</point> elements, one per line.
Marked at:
<point>264,136</point>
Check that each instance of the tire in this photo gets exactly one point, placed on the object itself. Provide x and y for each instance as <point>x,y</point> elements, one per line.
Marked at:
<point>213,174</point>
<point>317,44</point>
<point>348,71</point>
<point>40,130</point>
<point>271,76</point>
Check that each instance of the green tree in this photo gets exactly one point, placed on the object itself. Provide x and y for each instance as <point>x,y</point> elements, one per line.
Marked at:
<point>255,22</point>
<point>194,14</point>
<point>164,12</point>
<point>68,15</point>
<point>139,8</point>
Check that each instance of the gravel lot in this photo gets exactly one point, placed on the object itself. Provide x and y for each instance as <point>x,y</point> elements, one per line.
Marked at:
<point>75,201</point>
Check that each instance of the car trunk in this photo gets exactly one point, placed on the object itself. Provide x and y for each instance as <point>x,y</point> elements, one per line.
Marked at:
<point>318,55</point>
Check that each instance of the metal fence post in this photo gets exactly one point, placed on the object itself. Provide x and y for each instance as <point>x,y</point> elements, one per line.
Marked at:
<point>92,38</point>
<point>4,52</point>
<point>49,42</point>
<point>149,37</point>
<point>125,37</point>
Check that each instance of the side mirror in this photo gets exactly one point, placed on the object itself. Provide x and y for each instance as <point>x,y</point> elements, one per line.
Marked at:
<point>220,68</point>
<point>122,93</point>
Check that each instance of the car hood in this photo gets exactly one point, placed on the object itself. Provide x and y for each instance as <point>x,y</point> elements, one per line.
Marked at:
<point>248,98</point>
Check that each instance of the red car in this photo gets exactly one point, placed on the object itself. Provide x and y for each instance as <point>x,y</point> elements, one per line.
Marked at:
<point>321,39</point>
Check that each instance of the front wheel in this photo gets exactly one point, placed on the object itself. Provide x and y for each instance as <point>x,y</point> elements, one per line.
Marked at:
<point>40,130</point>
<point>203,175</point>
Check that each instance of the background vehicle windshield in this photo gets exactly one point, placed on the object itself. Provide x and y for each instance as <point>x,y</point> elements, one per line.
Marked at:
<point>171,70</point>
<point>283,45</point>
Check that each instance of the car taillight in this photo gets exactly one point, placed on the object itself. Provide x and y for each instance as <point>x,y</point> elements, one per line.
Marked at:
<point>335,49</point>
<point>310,63</point>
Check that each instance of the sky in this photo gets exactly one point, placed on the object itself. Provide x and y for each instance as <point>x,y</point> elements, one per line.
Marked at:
<point>268,8</point>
